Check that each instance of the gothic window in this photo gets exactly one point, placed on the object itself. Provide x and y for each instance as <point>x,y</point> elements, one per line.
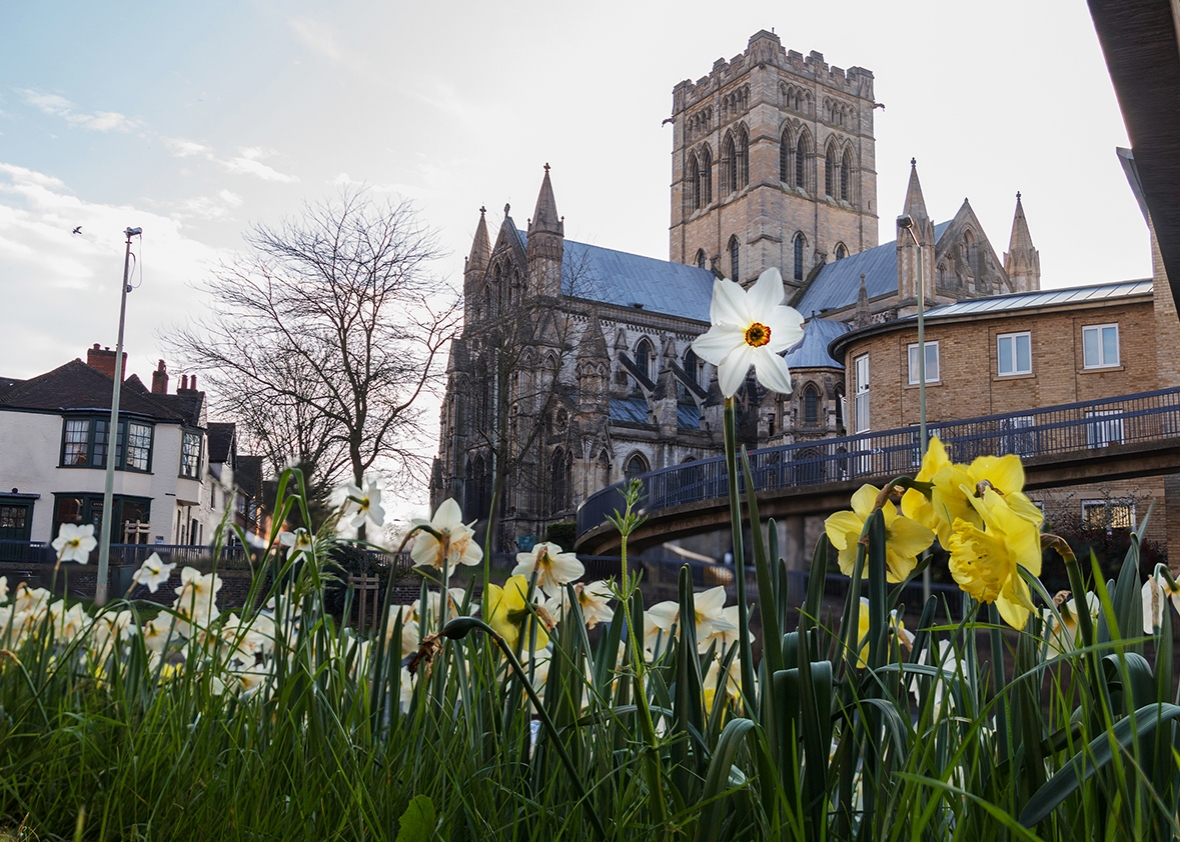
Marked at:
<point>799,243</point>
<point>830,186</point>
<point>742,159</point>
<point>701,259</point>
<point>801,152</point>
<point>705,177</point>
<point>845,174</point>
<point>734,264</point>
<point>644,357</point>
<point>560,471</point>
<point>810,405</point>
<point>692,366</point>
<point>784,158</point>
<point>728,165</point>
<point>694,182</point>
<point>841,251</point>
<point>636,465</point>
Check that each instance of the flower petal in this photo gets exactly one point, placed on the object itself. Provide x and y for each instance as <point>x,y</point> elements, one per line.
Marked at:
<point>733,370</point>
<point>718,342</point>
<point>766,294</point>
<point>772,371</point>
<point>729,305</point>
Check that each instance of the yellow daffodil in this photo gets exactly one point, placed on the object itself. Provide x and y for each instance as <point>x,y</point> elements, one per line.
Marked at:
<point>916,505</point>
<point>712,680</point>
<point>904,636</point>
<point>984,561</point>
<point>508,613</point>
<point>904,538</point>
<point>750,328</point>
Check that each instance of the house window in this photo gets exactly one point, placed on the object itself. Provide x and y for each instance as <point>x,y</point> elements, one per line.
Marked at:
<point>190,454</point>
<point>87,508</point>
<point>861,371</point>
<point>1105,427</point>
<point>85,444</point>
<point>1100,346</point>
<point>931,363</point>
<point>1108,514</point>
<point>1014,353</point>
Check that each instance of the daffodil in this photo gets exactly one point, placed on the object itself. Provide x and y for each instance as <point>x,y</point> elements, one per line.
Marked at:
<point>1063,637</point>
<point>1156,590</point>
<point>553,568</point>
<point>508,613</point>
<point>3,589</point>
<point>153,572</point>
<point>364,504</point>
<point>593,598</point>
<point>712,621</point>
<point>74,543</point>
<point>904,637</point>
<point>196,599</point>
<point>712,681</point>
<point>984,562</point>
<point>448,543</point>
<point>955,485</point>
<point>298,543</point>
<point>916,505</point>
<point>750,328</point>
<point>904,538</point>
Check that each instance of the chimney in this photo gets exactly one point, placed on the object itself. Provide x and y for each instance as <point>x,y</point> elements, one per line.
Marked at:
<point>103,359</point>
<point>192,382</point>
<point>160,379</point>
<point>183,383</point>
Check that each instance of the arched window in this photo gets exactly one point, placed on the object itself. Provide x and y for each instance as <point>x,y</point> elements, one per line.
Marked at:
<point>841,251</point>
<point>810,405</point>
<point>701,259</point>
<point>784,158</point>
<point>830,186</point>
<point>798,274</point>
<point>705,177</point>
<point>845,174</point>
<point>635,466</point>
<point>692,366</point>
<point>694,182</point>
<point>801,152</point>
<point>560,484</point>
<point>644,357</point>
<point>742,159</point>
<point>734,264</point>
<point>728,165</point>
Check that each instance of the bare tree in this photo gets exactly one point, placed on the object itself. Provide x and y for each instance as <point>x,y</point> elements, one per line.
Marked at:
<point>325,336</point>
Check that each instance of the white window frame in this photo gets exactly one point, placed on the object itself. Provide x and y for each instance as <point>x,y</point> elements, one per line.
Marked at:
<point>1101,361</point>
<point>1018,437</point>
<point>1109,506</point>
<point>1100,433</point>
<point>912,358</point>
<point>860,365</point>
<point>1014,338</point>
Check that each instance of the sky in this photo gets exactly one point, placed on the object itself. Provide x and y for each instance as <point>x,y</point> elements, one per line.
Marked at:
<point>196,121</point>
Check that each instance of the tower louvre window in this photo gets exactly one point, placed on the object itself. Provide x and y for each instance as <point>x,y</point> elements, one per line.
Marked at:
<point>801,162</point>
<point>700,258</point>
<point>705,178</point>
<point>784,158</point>
<point>734,263</point>
<point>830,173</point>
<point>694,182</point>
<point>742,159</point>
<point>728,165</point>
<point>845,175</point>
<point>798,273</point>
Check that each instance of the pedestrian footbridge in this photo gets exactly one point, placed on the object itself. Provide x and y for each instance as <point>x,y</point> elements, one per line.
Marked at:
<point>1115,438</point>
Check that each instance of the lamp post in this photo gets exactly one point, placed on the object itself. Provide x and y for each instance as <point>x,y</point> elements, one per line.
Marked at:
<point>108,495</point>
<point>906,222</point>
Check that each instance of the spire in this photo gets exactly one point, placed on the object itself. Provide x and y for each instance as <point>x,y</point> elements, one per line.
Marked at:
<point>481,246</point>
<point>915,205</point>
<point>545,218</point>
<point>1022,261</point>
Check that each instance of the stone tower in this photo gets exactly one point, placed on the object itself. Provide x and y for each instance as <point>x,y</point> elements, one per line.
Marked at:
<point>773,164</point>
<point>546,239</point>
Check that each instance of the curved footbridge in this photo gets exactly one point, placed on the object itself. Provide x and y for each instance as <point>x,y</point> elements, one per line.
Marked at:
<point>1115,438</point>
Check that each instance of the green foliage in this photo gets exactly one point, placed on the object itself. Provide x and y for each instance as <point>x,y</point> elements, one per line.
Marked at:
<point>563,533</point>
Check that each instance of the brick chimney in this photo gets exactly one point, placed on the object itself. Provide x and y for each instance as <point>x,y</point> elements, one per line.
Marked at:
<point>160,379</point>
<point>103,359</point>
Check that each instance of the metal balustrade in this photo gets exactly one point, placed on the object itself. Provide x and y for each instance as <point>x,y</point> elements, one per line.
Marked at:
<point>1079,428</point>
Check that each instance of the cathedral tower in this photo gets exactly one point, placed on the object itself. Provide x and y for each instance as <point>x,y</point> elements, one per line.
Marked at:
<point>773,164</point>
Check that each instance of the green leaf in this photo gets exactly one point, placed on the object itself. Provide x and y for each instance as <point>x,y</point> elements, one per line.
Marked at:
<point>1082,766</point>
<point>417,822</point>
<point>717,779</point>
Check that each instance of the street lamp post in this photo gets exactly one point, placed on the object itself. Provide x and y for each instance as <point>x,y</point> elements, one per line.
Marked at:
<point>108,495</point>
<point>906,222</point>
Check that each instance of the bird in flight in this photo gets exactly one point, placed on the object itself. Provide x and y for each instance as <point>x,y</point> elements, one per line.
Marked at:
<point>77,230</point>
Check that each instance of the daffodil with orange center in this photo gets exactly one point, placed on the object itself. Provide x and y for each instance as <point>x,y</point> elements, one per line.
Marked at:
<point>904,538</point>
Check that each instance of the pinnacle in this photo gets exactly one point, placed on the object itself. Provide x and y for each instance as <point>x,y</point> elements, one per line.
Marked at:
<point>915,204</point>
<point>545,217</point>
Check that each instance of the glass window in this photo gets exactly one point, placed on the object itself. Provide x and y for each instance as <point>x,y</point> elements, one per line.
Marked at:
<point>1100,346</point>
<point>798,257</point>
<point>190,454</point>
<point>77,442</point>
<point>635,467</point>
<point>810,406</point>
<point>734,266</point>
<point>86,441</point>
<point>931,362</point>
<point>1108,514</point>
<point>1014,353</point>
<point>861,406</point>
<point>1105,427</point>
<point>139,446</point>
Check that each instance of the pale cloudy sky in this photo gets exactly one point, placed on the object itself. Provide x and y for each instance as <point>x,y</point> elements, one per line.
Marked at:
<point>194,120</point>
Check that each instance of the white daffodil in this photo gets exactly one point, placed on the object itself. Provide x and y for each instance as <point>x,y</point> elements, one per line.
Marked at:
<point>153,572</point>
<point>156,632</point>
<point>3,589</point>
<point>74,543</point>
<point>733,681</point>
<point>298,542</point>
<point>725,634</point>
<point>196,599</point>
<point>593,598</point>
<point>552,567</point>
<point>456,546</point>
<point>365,504</point>
<point>1156,590</point>
<point>1063,639</point>
<point>750,328</point>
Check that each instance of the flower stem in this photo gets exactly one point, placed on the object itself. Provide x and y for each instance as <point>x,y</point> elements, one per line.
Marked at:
<point>749,684</point>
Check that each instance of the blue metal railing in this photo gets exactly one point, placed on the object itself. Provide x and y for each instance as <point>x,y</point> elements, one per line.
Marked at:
<point>1067,428</point>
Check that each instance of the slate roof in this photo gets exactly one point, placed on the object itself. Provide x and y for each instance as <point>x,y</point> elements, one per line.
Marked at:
<point>7,383</point>
<point>617,277</point>
<point>688,416</point>
<point>629,410</point>
<point>221,437</point>
<point>812,349</point>
<point>77,386</point>
<point>837,284</point>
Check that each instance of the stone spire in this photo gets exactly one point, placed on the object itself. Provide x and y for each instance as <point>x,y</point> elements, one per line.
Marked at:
<point>1022,262</point>
<point>481,246</point>
<point>908,263</point>
<point>915,205</point>
<point>546,244</point>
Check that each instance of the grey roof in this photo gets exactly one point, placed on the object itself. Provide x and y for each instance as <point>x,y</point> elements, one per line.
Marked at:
<point>1042,298</point>
<point>837,284</point>
<point>617,277</point>
<point>629,410</point>
<point>812,350</point>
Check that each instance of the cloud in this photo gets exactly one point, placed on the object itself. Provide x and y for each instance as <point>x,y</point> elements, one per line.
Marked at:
<point>183,148</point>
<point>247,162</point>
<point>58,106</point>
<point>319,39</point>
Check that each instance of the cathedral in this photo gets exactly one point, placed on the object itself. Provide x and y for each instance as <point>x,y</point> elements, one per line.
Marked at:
<point>574,368</point>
